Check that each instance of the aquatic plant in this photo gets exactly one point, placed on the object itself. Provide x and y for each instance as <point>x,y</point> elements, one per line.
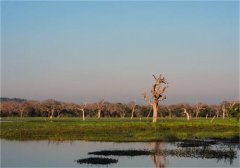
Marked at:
<point>196,143</point>
<point>97,160</point>
<point>121,152</point>
<point>182,152</point>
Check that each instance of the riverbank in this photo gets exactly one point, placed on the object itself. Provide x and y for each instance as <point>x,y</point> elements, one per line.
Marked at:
<point>117,130</point>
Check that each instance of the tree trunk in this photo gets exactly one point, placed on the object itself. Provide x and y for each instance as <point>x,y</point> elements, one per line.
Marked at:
<point>83,114</point>
<point>206,116</point>
<point>155,110</point>
<point>226,113</point>
<point>122,115</point>
<point>213,118</point>
<point>99,114</point>
<point>58,114</point>
<point>197,112</point>
<point>170,113</point>
<point>132,112</point>
<point>21,113</point>
<point>187,114</point>
<point>52,113</point>
<point>223,111</point>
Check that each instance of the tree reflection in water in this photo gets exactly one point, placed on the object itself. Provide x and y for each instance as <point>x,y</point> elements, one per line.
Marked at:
<point>159,160</point>
<point>159,154</point>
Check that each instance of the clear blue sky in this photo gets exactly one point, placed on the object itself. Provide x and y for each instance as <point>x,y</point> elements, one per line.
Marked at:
<point>85,51</point>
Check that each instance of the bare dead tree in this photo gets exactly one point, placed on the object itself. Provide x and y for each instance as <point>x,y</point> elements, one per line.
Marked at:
<point>56,108</point>
<point>109,109</point>
<point>52,112</point>
<point>157,95</point>
<point>50,106</point>
<point>139,113</point>
<point>59,111</point>
<point>121,109</point>
<point>82,108</point>
<point>61,107</point>
<point>132,105</point>
<point>7,108</point>
<point>100,107</point>
<point>186,113</point>
<point>169,111</point>
<point>20,107</point>
<point>49,109</point>
<point>231,105</point>
<point>217,109</point>
<point>21,111</point>
<point>198,107</point>
<point>223,107</point>
<point>186,110</point>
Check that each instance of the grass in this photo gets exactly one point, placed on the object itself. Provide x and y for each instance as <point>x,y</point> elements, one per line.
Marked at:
<point>116,129</point>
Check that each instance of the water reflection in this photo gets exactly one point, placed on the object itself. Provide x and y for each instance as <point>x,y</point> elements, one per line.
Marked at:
<point>159,160</point>
<point>156,154</point>
<point>59,142</point>
<point>193,149</point>
<point>188,149</point>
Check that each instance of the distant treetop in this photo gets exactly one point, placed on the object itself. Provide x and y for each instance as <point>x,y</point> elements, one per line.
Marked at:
<point>4,99</point>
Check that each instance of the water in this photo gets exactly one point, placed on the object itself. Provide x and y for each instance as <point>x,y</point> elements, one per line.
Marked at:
<point>65,154</point>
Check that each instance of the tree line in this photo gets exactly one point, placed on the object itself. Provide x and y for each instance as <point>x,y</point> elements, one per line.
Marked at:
<point>104,109</point>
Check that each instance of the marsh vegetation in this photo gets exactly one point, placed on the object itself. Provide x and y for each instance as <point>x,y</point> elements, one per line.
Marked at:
<point>115,129</point>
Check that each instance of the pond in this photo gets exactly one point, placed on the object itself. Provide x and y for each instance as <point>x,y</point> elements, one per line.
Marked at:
<point>110,154</point>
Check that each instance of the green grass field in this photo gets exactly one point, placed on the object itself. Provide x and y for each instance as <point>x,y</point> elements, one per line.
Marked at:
<point>116,129</point>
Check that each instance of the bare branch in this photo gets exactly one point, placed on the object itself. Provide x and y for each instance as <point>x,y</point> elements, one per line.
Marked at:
<point>147,99</point>
<point>232,104</point>
<point>160,76</point>
<point>100,104</point>
<point>154,77</point>
<point>163,98</point>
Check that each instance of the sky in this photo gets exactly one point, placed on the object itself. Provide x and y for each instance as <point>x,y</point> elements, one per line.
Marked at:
<point>86,51</point>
